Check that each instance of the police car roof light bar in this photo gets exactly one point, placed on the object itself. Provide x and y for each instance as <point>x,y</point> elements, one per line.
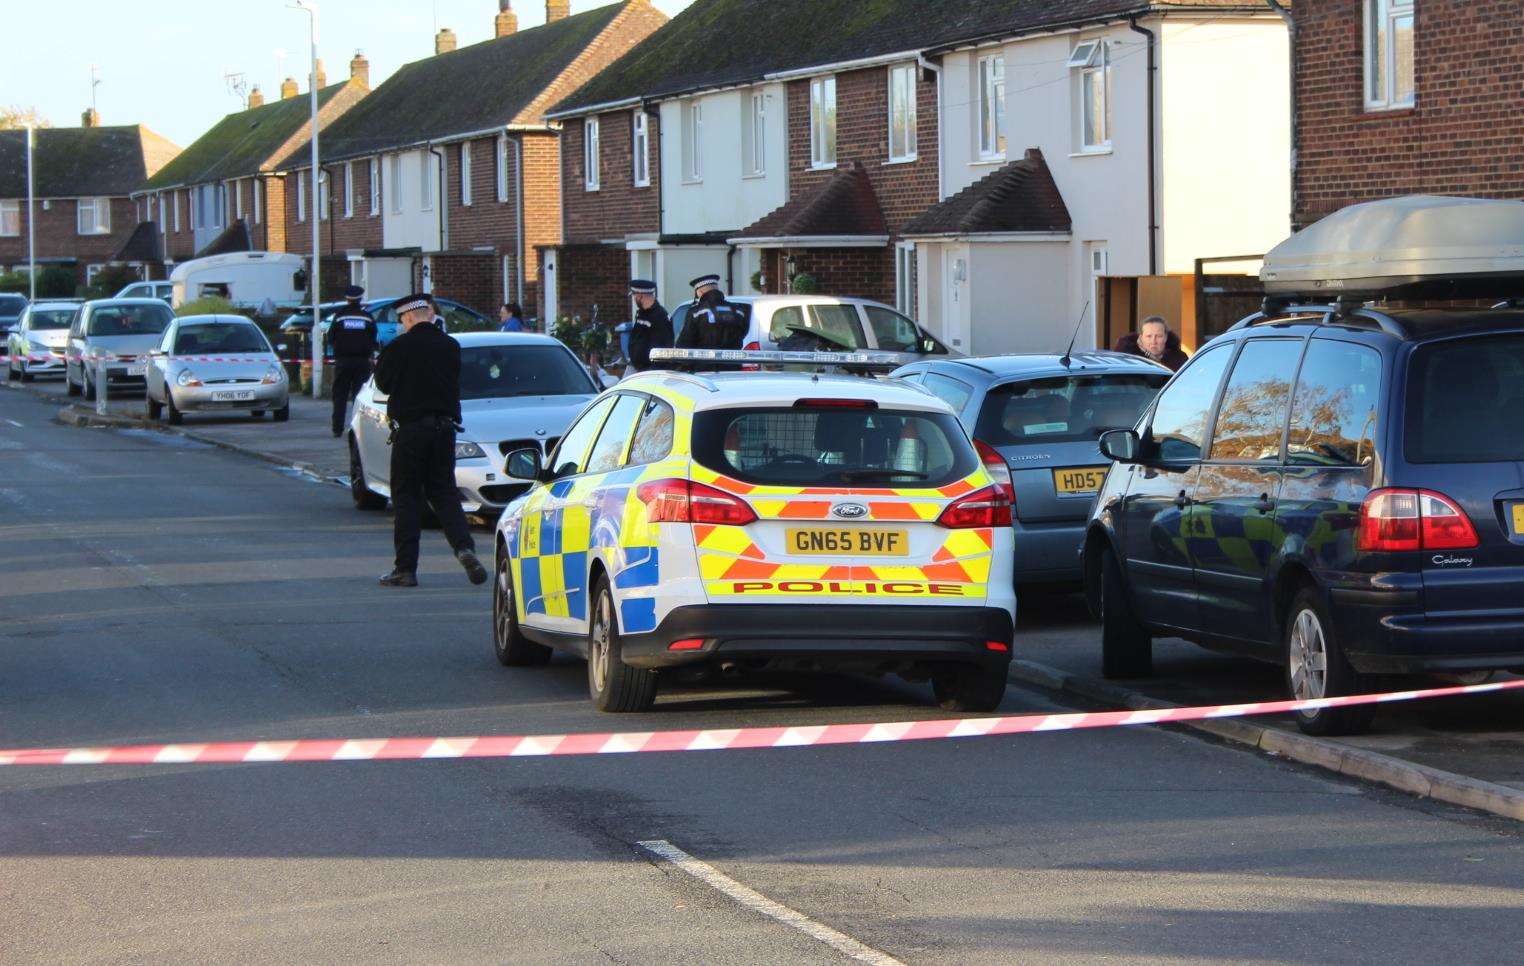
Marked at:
<point>864,359</point>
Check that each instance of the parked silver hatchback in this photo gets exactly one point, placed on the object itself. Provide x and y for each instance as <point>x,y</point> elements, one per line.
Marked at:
<point>216,363</point>
<point>115,335</point>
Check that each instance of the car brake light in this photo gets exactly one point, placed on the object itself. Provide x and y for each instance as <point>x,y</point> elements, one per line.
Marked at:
<point>1399,521</point>
<point>1000,647</point>
<point>684,501</point>
<point>989,507</point>
<point>752,347</point>
<point>998,469</point>
<point>836,404</point>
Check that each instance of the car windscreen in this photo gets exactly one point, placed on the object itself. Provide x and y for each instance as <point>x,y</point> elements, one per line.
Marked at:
<point>51,318</point>
<point>811,446</point>
<point>492,372</point>
<point>1464,397</point>
<point>119,320</point>
<point>200,340</point>
<point>1064,408</point>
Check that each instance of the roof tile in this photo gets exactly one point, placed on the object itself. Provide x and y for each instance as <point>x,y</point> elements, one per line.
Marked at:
<point>844,205</point>
<point>1021,196</point>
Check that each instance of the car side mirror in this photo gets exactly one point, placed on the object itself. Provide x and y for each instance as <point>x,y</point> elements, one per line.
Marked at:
<point>1121,446</point>
<point>524,464</point>
<point>157,353</point>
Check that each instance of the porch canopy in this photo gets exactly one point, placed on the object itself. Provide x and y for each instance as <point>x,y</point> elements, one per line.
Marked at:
<point>1020,197</point>
<point>843,212</point>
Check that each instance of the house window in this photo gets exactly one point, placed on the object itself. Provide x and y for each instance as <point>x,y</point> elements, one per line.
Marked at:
<point>396,160</point>
<point>10,218</point>
<point>1092,61</point>
<point>163,215</point>
<point>224,204</point>
<point>425,181</point>
<point>349,189</point>
<point>754,135</point>
<point>693,135</point>
<point>502,169</point>
<point>992,107</point>
<point>902,134</point>
<point>94,216</point>
<point>465,173</point>
<point>259,206</point>
<point>640,150</point>
<point>301,198</point>
<point>373,168</point>
<point>823,122</point>
<point>1388,54</point>
<point>591,144</point>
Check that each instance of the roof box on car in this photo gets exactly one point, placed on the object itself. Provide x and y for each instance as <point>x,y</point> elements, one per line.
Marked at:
<point>1418,247</point>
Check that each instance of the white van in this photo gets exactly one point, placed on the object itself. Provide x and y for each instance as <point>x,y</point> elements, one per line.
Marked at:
<point>247,279</point>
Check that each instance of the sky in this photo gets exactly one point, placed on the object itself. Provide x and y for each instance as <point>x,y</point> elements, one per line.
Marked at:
<point>162,62</point>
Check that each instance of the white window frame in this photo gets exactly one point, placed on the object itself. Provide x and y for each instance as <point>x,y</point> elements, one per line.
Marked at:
<point>902,90</point>
<point>990,89</point>
<point>10,214</point>
<point>301,196</point>
<point>1091,60</point>
<point>349,189</point>
<point>823,122</point>
<point>906,283</point>
<point>238,200</point>
<point>174,202</point>
<point>255,196</point>
<point>640,148</point>
<point>754,135</point>
<point>99,224</point>
<point>163,214</point>
<point>373,168</point>
<point>324,193</point>
<point>91,271</point>
<point>220,197</point>
<point>693,141</point>
<point>1379,27</point>
<point>465,174</point>
<point>425,180</point>
<point>397,179</point>
<point>592,151</point>
<point>502,169</point>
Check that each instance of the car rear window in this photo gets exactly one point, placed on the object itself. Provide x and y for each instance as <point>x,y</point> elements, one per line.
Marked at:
<point>203,339</point>
<point>117,320</point>
<point>1464,399</point>
<point>1064,408</point>
<point>805,446</point>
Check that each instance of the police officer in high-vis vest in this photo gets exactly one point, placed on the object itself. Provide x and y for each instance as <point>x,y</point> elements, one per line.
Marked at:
<point>652,329</point>
<point>713,323</point>
<point>352,336</point>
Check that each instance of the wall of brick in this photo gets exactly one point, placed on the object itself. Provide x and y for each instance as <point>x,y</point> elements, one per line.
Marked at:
<point>542,203</point>
<point>595,275</point>
<point>57,234</point>
<point>860,272</point>
<point>1464,136</point>
<point>618,207</point>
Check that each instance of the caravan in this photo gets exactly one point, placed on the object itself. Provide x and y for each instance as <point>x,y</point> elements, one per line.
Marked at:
<point>247,279</point>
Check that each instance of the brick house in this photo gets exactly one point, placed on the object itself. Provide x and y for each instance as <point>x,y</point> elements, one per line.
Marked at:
<point>83,179</point>
<point>447,176</point>
<point>226,192</point>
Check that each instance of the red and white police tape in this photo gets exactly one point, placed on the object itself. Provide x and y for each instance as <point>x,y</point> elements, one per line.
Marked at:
<point>616,743</point>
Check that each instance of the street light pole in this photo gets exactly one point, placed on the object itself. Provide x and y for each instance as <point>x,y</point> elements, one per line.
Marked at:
<point>314,282</point>
<point>31,214</point>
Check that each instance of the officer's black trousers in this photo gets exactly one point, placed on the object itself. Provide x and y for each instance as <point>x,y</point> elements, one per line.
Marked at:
<point>423,468</point>
<point>348,377</point>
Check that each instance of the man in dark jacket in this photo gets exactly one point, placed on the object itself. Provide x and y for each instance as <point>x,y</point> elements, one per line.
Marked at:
<point>352,335</point>
<point>713,323</point>
<point>1155,342</point>
<point>420,374</point>
<point>653,328</point>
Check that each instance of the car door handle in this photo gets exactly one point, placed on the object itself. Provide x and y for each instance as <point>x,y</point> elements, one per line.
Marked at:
<point>1264,504</point>
<point>1182,501</point>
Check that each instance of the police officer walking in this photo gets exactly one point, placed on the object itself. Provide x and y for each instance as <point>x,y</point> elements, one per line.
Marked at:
<point>420,373</point>
<point>713,322</point>
<point>653,328</point>
<point>352,335</point>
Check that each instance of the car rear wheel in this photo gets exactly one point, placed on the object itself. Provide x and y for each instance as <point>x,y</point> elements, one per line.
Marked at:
<point>513,648</point>
<point>364,497</point>
<point>1316,668</point>
<point>975,689</point>
<point>613,685</point>
<point>89,388</point>
<point>1127,649</point>
<point>283,414</point>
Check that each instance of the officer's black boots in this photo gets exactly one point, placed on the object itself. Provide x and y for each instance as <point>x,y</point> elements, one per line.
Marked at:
<point>474,568</point>
<point>401,578</point>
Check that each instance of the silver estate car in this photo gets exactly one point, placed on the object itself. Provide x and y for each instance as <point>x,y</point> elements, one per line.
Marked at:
<point>1044,417</point>
<point>216,363</point>
<point>116,333</point>
<point>37,344</point>
<point>827,323</point>
<point>517,391</point>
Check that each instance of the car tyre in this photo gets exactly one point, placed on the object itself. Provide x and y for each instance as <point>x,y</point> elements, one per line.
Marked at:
<point>613,685</point>
<point>89,388</point>
<point>281,415</point>
<point>508,640</point>
<point>1317,668</point>
<point>175,416</point>
<point>1127,649</point>
<point>364,497</point>
<point>69,387</point>
<point>969,689</point>
<point>11,374</point>
<point>154,408</point>
<point>25,376</point>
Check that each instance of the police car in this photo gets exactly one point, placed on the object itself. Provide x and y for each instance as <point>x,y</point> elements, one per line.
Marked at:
<point>738,522</point>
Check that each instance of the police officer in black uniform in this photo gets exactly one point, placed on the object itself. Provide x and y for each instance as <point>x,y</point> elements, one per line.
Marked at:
<point>653,328</point>
<point>420,373</point>
<point>713,323</point>
<point>352,335</point>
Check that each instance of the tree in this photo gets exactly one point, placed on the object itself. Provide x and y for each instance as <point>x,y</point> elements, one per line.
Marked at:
<point>16,117</point>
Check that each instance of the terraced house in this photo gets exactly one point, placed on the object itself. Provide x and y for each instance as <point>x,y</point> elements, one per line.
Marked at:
<point>83,179</point>
<point>225,192</point>
<point>999,169</point>
<point>447,177</point>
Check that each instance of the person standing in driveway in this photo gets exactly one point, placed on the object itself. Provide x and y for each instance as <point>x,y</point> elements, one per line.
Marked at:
<point>653,328</point>
<point>1154,341</point>
<point>352,335</point>
<point>510,318</point>
<point>420,374</point>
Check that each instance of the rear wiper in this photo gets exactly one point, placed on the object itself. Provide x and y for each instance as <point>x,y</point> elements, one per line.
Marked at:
<point>848,476</point>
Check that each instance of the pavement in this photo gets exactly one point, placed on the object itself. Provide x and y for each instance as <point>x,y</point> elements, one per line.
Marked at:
<point>157,588</point>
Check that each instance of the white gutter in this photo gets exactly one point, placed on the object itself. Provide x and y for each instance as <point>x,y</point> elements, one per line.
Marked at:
<point>429,142</point>
<point>924,64</point>
<point>813,241</point>
<point>594,108</point>
<point>993,237</point>
<point>838,67</point>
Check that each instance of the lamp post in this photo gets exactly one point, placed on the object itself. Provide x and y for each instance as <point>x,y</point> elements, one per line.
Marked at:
<point>31,214</point>
<point>314,281</point>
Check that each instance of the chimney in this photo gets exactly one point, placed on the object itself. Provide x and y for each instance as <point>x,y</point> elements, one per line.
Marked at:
<point>359,69</point>
<point>322,76</point>
<point>557,10</point>
<point>256,97</point>
<point>507,21</point>
<point>91,118</point>
<point>444,41</point>
<point>288,89</point>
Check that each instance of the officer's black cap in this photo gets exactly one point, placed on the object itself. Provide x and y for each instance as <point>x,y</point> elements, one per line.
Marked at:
<point>703,280</point>
<point>414,302</point>
<point>641,286</point>
<point>354,293</point>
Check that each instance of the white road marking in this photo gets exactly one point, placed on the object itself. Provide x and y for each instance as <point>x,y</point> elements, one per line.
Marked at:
<point>757,902</point>
<point>15,424</point>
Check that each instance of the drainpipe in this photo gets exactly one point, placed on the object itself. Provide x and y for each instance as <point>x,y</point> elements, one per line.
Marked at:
<point>1153,106</point>
<point>518,210</point>
<point>924,64</point>
<point>1296,146</point>
<point>442,198</point>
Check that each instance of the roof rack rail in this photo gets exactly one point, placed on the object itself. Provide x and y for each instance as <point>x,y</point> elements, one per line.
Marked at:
<point>1349,310</point>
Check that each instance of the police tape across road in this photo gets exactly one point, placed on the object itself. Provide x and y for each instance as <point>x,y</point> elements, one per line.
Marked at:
<point>718,739</point>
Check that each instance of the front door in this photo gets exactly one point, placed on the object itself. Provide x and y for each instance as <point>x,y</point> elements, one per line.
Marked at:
<point>549,281</point>
<point>955,311</point>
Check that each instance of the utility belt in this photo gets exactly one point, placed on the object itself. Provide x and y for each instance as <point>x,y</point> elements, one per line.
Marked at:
<point>432,421</point>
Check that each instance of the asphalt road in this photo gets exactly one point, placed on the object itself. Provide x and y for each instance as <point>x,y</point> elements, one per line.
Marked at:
<point>153,589</point>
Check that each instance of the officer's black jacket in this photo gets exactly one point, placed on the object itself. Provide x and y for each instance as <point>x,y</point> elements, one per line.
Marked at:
<point>352,334</point>
<point>653,330</point>
<point>713,324</point>
<point>420,372</point>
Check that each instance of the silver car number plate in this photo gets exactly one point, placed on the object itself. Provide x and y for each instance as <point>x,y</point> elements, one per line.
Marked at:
<point>141,370</point>
<point>233,395</point>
